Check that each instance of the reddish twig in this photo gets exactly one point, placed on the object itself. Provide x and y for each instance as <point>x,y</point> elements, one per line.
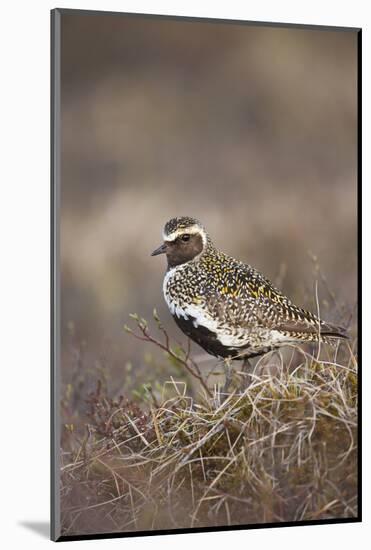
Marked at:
<point>186,362</point>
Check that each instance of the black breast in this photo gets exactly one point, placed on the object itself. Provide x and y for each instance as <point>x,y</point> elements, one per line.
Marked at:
<point>204,337</point>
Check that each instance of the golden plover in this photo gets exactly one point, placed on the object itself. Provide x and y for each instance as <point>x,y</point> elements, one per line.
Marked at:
<point>228,307</point>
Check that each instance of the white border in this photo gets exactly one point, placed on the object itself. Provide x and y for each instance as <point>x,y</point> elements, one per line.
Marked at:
<point>24,219</point>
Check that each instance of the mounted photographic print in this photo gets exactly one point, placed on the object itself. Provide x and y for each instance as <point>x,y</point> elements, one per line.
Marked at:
<point>205,181</point>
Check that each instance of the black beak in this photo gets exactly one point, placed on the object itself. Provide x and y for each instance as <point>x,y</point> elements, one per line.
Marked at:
<point>160,250</point>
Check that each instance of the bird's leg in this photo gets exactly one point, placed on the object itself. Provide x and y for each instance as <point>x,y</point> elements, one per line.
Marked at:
<point>227,363</point>
<point>246,369</point>
<point>245,364</point>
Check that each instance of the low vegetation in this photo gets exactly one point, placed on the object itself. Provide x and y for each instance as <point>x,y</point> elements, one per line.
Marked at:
<point>279,445</point>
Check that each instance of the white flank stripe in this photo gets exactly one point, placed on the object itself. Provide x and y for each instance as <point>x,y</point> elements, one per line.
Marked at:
<point>202,318</point>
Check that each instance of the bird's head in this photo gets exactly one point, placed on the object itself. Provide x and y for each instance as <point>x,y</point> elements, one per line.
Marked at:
<point>184,239</point>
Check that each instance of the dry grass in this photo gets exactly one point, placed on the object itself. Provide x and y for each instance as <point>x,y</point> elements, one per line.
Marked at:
<point>280,446</point>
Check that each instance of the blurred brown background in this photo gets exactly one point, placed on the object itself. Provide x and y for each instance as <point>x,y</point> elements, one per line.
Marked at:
<point>250,129</point>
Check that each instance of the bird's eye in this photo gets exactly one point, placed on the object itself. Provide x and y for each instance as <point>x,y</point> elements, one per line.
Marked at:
<point>185,237</point>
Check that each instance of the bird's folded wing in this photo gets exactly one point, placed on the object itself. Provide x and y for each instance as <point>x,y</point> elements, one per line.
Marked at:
<point>265,306</point>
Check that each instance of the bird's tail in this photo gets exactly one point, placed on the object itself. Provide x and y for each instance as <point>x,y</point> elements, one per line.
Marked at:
<point>312,329</point>
<point>328,330</point>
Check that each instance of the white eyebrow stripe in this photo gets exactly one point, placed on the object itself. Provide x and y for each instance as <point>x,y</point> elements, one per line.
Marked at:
<point>193,229</point>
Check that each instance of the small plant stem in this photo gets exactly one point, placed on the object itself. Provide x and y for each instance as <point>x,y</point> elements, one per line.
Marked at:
<point>166,347</point>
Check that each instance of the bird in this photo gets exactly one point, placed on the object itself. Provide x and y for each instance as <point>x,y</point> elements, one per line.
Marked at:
<point>226,306</point>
